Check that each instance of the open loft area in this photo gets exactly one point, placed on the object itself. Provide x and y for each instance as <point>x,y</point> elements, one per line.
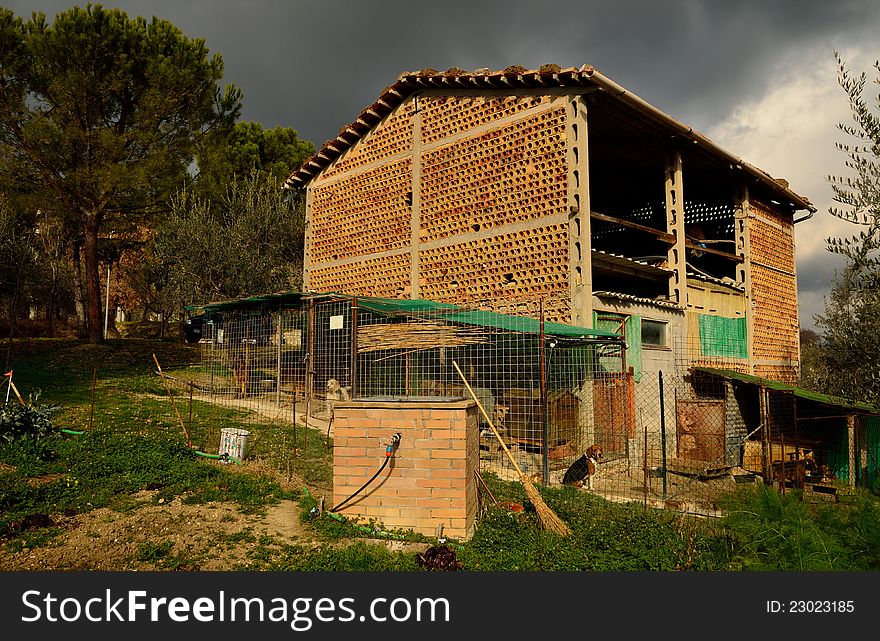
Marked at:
<point>630,162</point>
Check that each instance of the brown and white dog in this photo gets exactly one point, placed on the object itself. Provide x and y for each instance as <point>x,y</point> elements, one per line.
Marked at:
<point>584,468</point>
<point>336,392</point>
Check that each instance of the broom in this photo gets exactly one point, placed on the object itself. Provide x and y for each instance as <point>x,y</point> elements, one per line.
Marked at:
<point>548,518</point>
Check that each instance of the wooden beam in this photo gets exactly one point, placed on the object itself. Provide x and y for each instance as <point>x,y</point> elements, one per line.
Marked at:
<point>714,252</point>
<point>661,235</point>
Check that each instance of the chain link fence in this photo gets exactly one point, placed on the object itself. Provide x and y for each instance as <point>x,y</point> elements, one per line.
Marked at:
<point>656,420</point>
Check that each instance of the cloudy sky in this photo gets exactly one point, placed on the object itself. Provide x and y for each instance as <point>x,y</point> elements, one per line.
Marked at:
<point>759,78</point>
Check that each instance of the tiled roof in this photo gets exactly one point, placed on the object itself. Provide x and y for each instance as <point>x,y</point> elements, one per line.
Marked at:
<point>513,78</point>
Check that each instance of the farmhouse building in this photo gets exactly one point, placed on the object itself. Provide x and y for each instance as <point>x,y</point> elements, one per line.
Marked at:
<point>489,189</point>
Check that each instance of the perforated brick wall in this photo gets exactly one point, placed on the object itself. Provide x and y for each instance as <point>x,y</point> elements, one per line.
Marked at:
<point>447,116</point>
<point>390,138</point>
<point>774,294</point>
<point>504,176</point>
<point>366,213</point>
<point>772,243</point>
<point>777,373</point>
<point>492,226</point>
<point>386,277</point>
<point>524,265</point>
<point>431,479</point>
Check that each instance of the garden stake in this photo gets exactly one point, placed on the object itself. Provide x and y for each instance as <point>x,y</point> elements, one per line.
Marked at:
<point>11,386</point>
<point>173,404</point>
<point>547,517</point>
<point>485,487</point>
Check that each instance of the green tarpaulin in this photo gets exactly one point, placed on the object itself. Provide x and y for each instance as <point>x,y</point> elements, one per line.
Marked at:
<point>722,336</point>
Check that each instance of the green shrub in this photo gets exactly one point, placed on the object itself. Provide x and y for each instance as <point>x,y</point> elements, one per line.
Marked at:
<point>32,421</point>
<point>605,536</point>
<point>770,531</point>
<point>357,557</point>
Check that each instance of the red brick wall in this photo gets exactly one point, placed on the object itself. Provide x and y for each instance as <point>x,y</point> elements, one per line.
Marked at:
<point>431,478</point>
<point>774,294</point>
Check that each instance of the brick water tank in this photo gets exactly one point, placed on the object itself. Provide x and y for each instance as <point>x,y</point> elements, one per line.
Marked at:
<point>431,478</point>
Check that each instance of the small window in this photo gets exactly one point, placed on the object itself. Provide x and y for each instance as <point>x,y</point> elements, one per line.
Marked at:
<point>653,333</point>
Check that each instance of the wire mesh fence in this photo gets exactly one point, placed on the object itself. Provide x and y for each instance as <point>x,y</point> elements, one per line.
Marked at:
<point>671,424</point>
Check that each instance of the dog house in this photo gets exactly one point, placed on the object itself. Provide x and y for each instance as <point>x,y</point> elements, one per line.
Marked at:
<point>789,435</point>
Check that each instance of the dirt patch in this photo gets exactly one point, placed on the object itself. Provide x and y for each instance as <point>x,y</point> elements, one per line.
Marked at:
<point>36,481</point>
<point>175,535</point>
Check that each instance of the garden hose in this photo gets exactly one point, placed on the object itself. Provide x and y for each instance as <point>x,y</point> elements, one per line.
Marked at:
<point>389,453</point>
<point>360,528</point>
<point>221,457</point>
<point>225,457</point>
<point>376,532</point>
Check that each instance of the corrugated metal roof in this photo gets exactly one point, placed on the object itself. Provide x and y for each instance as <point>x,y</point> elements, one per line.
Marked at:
<point>643,267</point>
<point>718,281</point>
<point>644,301</point>
<point>514,78</point>
<point>800,392</point>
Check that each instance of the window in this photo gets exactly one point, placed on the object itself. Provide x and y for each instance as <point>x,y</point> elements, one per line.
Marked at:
<point>653,333</point>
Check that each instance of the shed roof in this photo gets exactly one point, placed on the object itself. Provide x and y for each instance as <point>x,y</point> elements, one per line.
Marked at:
<point>800,392</point>
<point>416,307</point>
<point>480,318</point>
<point>514,78</point>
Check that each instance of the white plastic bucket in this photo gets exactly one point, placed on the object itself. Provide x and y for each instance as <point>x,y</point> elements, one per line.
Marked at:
<point>233,441</point>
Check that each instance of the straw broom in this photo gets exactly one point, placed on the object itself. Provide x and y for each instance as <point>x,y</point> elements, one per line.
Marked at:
<point>548,518</point>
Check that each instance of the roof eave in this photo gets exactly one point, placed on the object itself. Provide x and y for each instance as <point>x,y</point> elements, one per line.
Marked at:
<point>409,83</point>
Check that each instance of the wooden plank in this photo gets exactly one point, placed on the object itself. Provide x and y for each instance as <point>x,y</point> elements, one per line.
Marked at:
<point>661,235</point>
<point>714,252</point>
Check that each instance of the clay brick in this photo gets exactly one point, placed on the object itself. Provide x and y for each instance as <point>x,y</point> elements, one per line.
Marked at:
<point>415,492</point>
<point>439,435</point>
<point>436,424</point>
<point>432,482</point>
<point>354,426</point>
<point>447,474</point>
<point>433,502</point>
<point>449,454</point>
<point>452,493</point>
<point>413,453</point>
<point>345,414</point>
<point>437,463</point>
<point>344,451</point>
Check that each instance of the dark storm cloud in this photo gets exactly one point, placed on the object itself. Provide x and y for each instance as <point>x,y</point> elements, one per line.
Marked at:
<point>315,65</point>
